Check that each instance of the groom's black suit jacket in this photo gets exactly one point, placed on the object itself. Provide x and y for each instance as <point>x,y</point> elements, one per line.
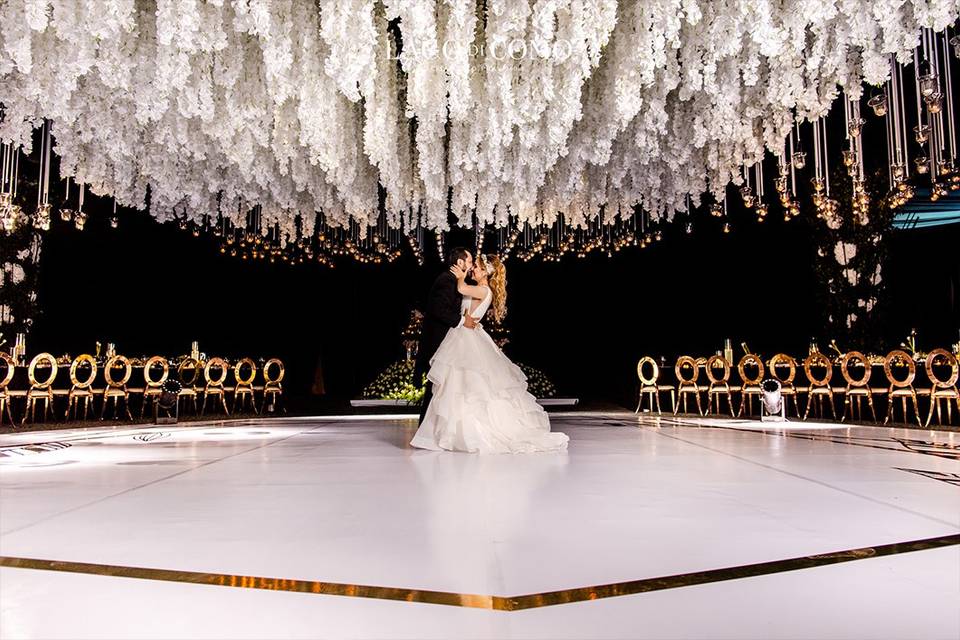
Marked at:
<point>442,314</point>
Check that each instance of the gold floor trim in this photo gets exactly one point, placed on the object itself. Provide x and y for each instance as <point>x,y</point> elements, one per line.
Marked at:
<point>499,603</point>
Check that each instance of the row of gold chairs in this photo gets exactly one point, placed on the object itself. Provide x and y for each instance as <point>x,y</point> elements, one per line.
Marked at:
<point>942,392</point>
<point>118,371</point>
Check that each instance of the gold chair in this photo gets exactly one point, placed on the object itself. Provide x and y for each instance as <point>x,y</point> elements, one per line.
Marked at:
<point>244,386</point>
<point>942,390</point>
<point>81,389</point>
<point>153,388</point>
<point>188,387</point>
<point>819,387</point>
<point>116,389</point>
<point>750,386</point>
<point>857,388</point>
<point>787,389</point>
<point>686,386</point>
<point>214,386</point>
<point>272,386</point>
<point>902,389</point>
<point>718,386</point>
<point>650,386</point>
<point>40,390</point>
<point>4,382</point>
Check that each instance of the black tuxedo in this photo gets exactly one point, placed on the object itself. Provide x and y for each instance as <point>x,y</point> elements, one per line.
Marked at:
<point>441,315</point>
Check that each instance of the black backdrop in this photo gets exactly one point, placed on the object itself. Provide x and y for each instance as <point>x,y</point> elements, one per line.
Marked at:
<point>153,288</point>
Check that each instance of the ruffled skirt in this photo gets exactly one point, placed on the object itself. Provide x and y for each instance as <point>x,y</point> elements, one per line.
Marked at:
<point>480,401</point>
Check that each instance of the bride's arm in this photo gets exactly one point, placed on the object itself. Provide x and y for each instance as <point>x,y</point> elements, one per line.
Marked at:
<point>474,291</point>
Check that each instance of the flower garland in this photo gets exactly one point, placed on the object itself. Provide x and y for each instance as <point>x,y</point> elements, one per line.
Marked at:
<point>523,108</point>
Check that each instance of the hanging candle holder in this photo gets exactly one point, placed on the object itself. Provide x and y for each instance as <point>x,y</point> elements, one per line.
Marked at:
<point>799,159</point>
<point>748,198</point>
<point>849,157</point>
<point>928,84</point>
<point>934,102</point>
<point>879,104</point>
<point>922,164</point>
<point>921,133</point>
<point>762,210</point>
<point>42,220</point>
<point>855,127</point>
<point>898,171</point>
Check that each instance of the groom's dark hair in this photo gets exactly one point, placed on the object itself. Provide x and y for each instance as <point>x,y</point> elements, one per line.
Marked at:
<point>457,253</point>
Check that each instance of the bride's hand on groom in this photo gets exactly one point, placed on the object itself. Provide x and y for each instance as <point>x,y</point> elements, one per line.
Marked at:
<point>458,273</point>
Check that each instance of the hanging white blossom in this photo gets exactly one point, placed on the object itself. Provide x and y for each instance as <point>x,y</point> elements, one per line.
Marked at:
<point>527,108</point>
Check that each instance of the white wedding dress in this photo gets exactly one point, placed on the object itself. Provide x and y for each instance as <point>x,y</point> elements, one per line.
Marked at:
<point>480,400</point>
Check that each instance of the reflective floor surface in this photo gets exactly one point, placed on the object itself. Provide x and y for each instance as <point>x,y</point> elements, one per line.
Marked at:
<point>646,527</point>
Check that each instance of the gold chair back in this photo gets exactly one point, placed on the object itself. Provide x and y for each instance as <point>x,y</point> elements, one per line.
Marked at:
<point>682,363</point>
<point>902,357</point>
<point>745,361</point>
<point>224,369</point>
<point>237,368</point>
<point>943,390</point>
<point>81,389</point>
<point>686,386</point>
<point>654,371</point>
<point>855,356</point>
<point>149,365</point>
<point>819,387</point>
<point>32,371</point>
<point>268,380</point>
<point>950,361</point>
<point>817,359</point>
<point>40,390</point>
<point>244,386</point>
<point>74,371</point>
<point>11,369</point>
<point>857,388</point>
<point>153,387</point>
<point>4,382</point>
<point>188,364</point>
<point>116,388</point>
<point>214,385</point>
<point>779,361</point>
<point>718,362</point>
<point>902,389</point>
<point>750,386</point>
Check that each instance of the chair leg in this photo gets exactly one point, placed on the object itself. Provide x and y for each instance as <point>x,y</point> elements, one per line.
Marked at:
<point>656,396</point>
<point>223,400</point>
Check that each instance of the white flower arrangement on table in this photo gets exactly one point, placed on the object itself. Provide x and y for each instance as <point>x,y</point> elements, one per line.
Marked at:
<point>531,109</point>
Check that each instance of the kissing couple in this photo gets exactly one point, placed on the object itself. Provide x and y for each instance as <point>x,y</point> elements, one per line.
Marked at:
<point>476,398</point>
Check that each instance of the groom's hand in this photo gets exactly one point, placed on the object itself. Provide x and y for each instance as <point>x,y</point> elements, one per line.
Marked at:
<point>469,321</point>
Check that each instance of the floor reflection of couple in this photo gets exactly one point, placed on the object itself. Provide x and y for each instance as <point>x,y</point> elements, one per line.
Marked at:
<point>477,502</point>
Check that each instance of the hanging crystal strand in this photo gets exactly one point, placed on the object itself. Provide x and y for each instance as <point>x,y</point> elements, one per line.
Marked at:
<point>826,158</point>
<point>951,123</point>
<point>43,151</point>
<point>42,221</point>
<point>902,115</point>
<point>891,135</point>
<point>935,106</point>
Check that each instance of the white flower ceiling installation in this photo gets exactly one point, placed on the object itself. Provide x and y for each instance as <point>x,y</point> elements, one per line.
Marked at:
<point>493,108</point>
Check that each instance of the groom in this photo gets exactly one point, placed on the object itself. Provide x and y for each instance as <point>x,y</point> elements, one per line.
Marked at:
<point>442,314</point>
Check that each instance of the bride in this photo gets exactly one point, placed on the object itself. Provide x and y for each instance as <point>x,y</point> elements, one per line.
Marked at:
<point>480,400</point>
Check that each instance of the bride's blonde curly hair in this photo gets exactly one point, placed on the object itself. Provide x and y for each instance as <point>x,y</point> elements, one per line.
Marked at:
<point>497,279</point>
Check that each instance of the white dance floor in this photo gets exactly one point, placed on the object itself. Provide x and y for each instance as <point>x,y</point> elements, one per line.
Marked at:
<point>334,528</point>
